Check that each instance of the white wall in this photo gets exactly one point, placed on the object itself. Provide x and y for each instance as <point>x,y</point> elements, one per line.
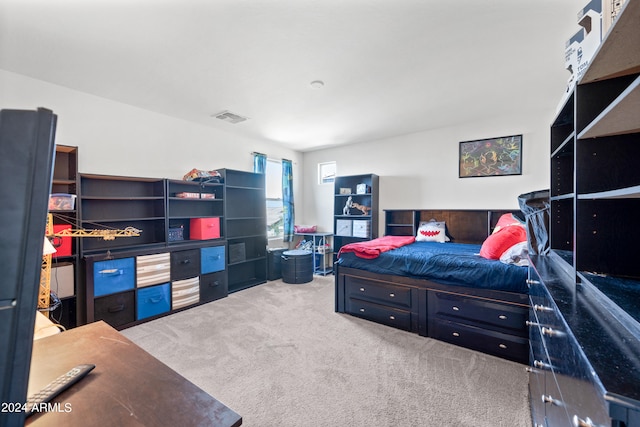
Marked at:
<point>420,170</point>
<point>417,171</point>
<point>118,139</point>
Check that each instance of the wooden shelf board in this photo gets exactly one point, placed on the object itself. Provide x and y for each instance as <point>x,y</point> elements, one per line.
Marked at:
<point>621,117</point>
<point>622,193</point>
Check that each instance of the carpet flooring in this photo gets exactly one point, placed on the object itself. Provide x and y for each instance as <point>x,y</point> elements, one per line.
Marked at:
<point>279,355</point>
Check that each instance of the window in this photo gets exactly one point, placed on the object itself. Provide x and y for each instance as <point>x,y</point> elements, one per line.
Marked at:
<point>275,215</point>
<point>326,172</point>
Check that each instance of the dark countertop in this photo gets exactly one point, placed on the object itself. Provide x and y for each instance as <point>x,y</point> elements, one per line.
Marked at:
<point>602,314</point>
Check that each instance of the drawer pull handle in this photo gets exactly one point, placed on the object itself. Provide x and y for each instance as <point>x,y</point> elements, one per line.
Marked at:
<point>454,308</point>
<point>112,272</point>
<point>392,295</point>
<point>362,310</point>
<point>578,422</point>
<point>540,365</point>
<point>392,317</point>
<point>185,261</point>
<point>214,283</point>
<point>532,282</point>
<point>549,399</point>
<point>528,323</point>
<point>551,332</point>
<point>361,289</point>
<point>502,346</point>
<point>155,299</point>
<point>456,334</point>
<point>116,308</point>
<point>542,308</point>
<point>502,317</point>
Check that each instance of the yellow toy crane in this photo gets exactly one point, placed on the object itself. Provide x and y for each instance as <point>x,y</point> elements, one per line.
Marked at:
<point>45,275</point>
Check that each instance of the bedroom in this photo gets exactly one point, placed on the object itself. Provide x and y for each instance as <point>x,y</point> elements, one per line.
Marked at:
<point>399,125</point>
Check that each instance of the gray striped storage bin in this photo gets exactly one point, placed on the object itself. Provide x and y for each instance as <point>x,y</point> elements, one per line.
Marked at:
<point>153,269</point>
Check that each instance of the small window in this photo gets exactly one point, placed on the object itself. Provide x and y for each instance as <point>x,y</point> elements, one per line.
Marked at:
<point>275,210</point>
<point>326,172</point>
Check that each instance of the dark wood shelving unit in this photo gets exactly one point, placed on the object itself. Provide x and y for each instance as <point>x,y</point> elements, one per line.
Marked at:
<point>355,226</point>
<point>584,324</point>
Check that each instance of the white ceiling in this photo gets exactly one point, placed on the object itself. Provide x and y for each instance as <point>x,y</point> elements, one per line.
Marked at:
<point>390,67</point>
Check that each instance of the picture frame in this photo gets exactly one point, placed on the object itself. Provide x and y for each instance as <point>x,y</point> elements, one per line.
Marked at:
<point>490,157</point>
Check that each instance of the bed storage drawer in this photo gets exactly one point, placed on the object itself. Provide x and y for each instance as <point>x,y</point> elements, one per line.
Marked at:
<point>397,296</point>
<point>379,313</point>
<point>490,342</point>
<point>503,317</point>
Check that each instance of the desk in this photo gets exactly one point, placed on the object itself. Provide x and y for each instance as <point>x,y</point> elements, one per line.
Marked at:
<point>128,386</point>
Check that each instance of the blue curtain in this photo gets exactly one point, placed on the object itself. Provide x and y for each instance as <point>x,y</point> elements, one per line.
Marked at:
<point>287,199</point>
<point>259,163</point>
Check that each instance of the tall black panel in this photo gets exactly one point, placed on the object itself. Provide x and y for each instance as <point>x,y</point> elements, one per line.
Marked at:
<point>26,159</point>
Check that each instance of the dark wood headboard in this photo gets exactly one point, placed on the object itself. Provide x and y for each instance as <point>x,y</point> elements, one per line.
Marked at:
<point>463,225</point>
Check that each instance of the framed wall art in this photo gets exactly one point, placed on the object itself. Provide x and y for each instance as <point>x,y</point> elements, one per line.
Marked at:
<point>491,157</point>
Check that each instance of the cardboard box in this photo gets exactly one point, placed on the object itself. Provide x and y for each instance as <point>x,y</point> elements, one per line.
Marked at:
<point>204,228</point>
<point>62,280</point>
<point>581,47</point>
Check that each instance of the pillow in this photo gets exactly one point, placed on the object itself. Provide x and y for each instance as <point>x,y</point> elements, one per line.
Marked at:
<point>501,240</point>
<point>516,254</point>
<point>505,221</point>
<point>432,231</point>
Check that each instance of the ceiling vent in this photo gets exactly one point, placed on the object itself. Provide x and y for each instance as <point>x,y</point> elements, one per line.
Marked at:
<point>230,117</point>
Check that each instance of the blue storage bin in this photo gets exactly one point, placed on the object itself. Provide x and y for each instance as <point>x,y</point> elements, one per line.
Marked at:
<point>113,275</point>
<point>153,300</point>
<point>212,259</point>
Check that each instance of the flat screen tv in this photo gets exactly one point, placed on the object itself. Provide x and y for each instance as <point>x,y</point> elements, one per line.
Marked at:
<point>27,150</point>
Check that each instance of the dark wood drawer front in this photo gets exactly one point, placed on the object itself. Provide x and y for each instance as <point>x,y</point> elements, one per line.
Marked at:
<point>379,313</point>
<point>117,309</point>
<point>491,342</point>
<point>460,308</point>
<point>397,296</point>
<point>185,264</point>
<point>213,286</point>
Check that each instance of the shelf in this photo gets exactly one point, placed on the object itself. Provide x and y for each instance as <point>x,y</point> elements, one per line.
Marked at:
<point>566,147</point>
<point>622,193</point>
<point>620,117</point>
<point>618,54</point>
<point>569,196</point>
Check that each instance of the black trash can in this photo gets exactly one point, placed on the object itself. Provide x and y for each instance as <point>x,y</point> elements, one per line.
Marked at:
<point>297,266</point>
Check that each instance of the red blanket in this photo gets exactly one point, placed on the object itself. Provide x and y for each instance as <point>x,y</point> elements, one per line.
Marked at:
<point>373,248</point>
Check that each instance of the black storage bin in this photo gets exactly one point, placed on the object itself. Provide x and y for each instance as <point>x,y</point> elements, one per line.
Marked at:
<point>117,309</point>
<point>185,264</point>
<point>274,264</point>
<point>297,266</point>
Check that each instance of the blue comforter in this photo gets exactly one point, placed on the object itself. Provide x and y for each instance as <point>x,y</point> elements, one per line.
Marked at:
<point>446,263</point>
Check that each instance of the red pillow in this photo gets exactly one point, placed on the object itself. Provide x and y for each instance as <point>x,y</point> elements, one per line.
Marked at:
<point>506,220</point>
<point>503,239</point>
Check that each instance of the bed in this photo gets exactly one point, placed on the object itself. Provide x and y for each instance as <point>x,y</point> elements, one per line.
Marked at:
<point>442,290</point>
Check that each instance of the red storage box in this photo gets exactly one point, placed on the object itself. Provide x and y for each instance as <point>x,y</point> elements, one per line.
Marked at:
<point>62,244</point>
<point>204,228</point>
